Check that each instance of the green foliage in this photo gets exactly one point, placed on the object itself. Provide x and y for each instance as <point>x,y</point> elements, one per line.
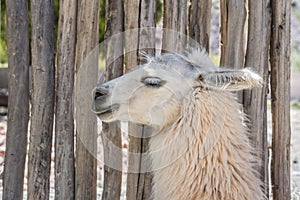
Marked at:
<point>56,15</point>
<point>215,58</point>
<point>3,47</point>
<point>3,52</point>
<point>295,60</point>
<point>102,21</point>
<point>295,105</point>
<point>159,6</point>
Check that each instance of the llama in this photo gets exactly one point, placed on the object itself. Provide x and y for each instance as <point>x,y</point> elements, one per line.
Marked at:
<point>201,148</point>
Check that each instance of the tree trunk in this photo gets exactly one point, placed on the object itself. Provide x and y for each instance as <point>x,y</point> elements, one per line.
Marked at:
<point>18,105</point>
<point>42,99</point>
<point>143,39</point>
<point>255,100</point>
<point>233,15</point>
<point>175,20</point>
<point>86,80</point>
<point>199,21</point>
<point>111,133</point>
<point>64,118</point>
<point>280,98</point>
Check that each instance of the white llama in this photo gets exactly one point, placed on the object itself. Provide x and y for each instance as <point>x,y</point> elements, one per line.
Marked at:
<point>201,148</point>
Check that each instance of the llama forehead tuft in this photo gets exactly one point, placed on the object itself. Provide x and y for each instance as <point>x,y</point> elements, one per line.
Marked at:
<point>200,58</point>
<point>190,60</point>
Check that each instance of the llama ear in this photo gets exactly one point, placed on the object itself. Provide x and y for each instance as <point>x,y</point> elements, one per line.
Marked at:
<point>230,79</point>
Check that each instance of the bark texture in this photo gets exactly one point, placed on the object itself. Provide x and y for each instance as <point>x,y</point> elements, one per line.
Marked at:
<point>42,98</point>
<point>175,18</point>
<point>86,80</point>
<point>64,117</point>
<point>199,21</point>
<point>233,15</point>
<point>280,50</point>
<point>143,40</point>
<point>111,132</point>
<point>18,104</point>
<point>255,100</point>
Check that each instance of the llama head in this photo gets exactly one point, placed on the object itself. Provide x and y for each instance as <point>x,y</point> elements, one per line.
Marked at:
<point>153,93</point>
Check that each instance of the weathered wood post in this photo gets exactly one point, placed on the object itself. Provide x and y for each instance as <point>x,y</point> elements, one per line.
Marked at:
<point>175,17</point>
<point>255,100</point>
<point>233,15</point>
<point>199,21</point>
<point>138,184</point>
<point>42,98</point>
<point>64,118</point>
<point>280,50</point>
<point>18,99</point>
<point>111,132</point>
<point>86,80</point>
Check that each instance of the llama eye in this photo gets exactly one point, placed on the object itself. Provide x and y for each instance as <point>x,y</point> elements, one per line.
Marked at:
<point>153,82</point>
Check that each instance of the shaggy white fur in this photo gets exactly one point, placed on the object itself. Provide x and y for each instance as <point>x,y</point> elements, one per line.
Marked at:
<point>202,149</point>
<point>207,150</point>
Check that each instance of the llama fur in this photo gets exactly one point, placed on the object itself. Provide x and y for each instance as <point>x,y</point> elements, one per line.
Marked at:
<point>202,149</point>
<point>216,160</point>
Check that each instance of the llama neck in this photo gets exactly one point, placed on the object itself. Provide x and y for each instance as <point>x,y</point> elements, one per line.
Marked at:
<point>205,153</point>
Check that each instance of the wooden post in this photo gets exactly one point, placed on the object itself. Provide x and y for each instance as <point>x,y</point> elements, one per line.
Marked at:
<point>18,104</point>
<point>64,118</point>
<point>255,100</point>
<point>138,184</point>
<point>280,97</point>
<point>86,80</point>
<point>233,15</point>
<point>42,99</point>
<point>199,21</point>
<point>133,186</point>
<point>111,132</point>
<point>175,17</point>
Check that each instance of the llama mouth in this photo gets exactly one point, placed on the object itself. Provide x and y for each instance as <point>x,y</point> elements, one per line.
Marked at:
<point>107,110</point>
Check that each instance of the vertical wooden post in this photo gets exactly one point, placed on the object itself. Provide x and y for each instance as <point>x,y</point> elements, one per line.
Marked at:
<point>42,99</point>
<point>133,186</point>
<point>199,21</point>
<point>86,80</point>
<point>18,98</point>
<point>255,100</point>
<point>111,132</point>
<point>64,118</point>
<point>233,15</point>
<point>138,184</point>
<point>280,97</point>
<point>175,17</point>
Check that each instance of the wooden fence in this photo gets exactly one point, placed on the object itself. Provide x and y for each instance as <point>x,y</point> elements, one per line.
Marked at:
<point>50,98</point>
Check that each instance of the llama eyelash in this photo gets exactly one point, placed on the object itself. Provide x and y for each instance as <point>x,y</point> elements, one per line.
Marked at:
<point>153,82</point>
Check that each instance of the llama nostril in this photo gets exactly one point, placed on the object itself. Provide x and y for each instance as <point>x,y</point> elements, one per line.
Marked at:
<point>100,93</point>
